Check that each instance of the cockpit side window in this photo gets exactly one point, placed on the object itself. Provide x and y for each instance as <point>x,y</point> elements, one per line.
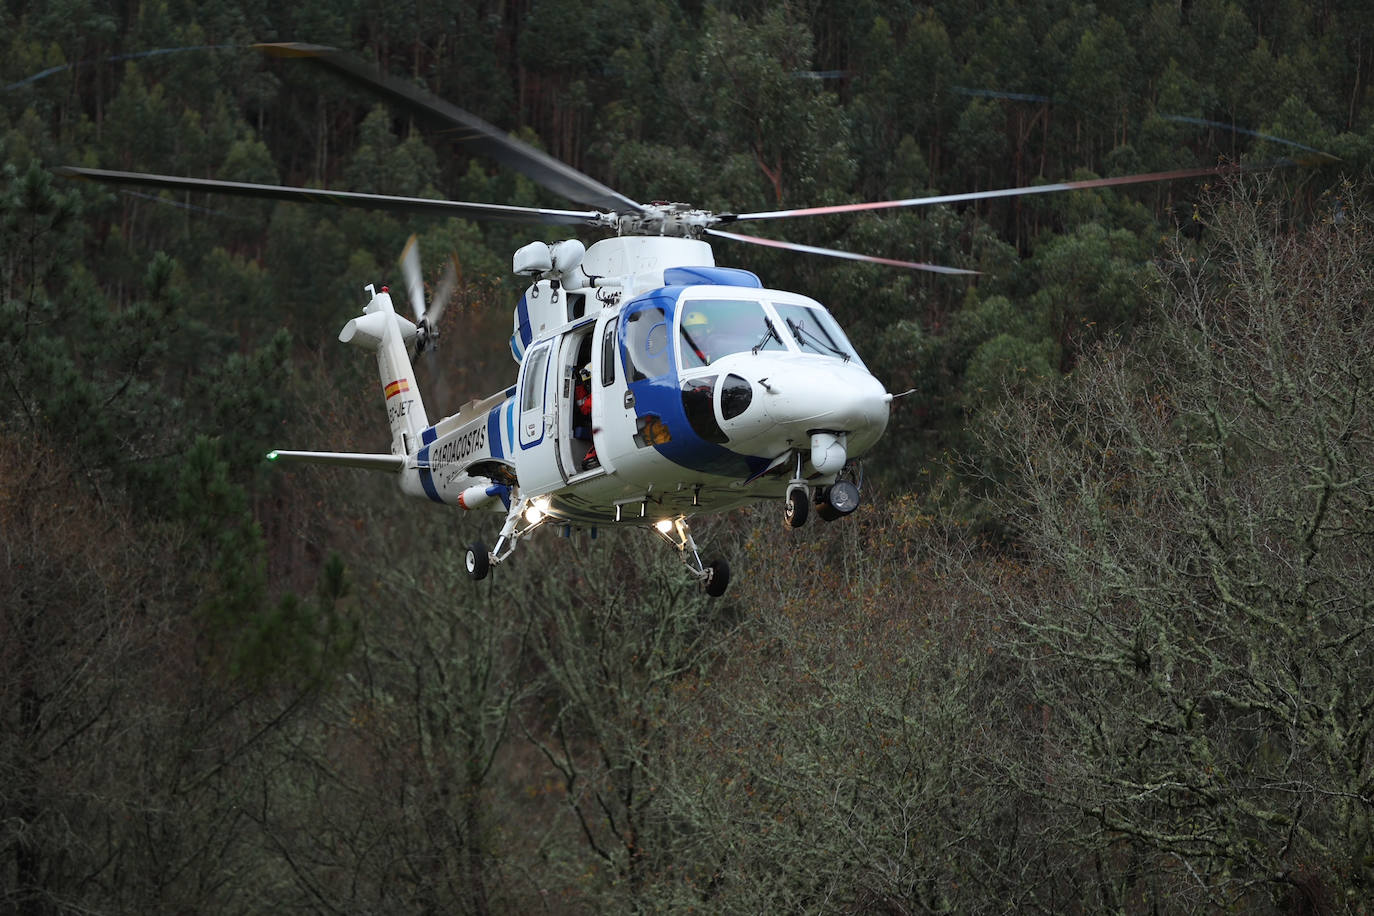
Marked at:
<point>815,331</point>
<point>646,342</point>
<point>712,328</point>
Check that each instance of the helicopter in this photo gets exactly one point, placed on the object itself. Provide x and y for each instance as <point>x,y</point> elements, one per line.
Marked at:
<point>653,385</point>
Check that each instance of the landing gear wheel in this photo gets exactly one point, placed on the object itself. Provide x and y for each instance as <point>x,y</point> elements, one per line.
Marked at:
<point>719,579</point>
<point>837,501</point>
<point>795,508</point>
<point>478,561</point>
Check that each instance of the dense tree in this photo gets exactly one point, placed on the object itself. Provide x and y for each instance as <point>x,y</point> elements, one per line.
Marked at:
<point>1120,666</point>
<point>1194,509</point>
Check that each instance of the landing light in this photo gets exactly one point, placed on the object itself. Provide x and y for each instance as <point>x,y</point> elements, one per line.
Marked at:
<point>664,525</point>
<point>537,510</point>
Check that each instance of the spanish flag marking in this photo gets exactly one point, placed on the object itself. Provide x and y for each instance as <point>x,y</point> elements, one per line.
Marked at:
<point>396,387</point>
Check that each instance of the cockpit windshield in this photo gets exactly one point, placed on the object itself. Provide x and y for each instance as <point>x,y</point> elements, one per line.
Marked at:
<point>712,328</point>
<point>815,331</point>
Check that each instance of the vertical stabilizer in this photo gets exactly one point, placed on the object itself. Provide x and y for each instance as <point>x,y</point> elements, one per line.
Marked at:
<point>389,335</point>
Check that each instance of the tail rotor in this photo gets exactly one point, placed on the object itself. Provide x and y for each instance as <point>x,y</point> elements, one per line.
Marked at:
<point>427,318</point>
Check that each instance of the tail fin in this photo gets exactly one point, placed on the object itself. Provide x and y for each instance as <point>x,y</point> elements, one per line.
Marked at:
<point>388,334</point>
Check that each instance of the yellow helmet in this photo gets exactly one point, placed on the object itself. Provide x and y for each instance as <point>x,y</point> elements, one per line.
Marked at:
<point>694,320</point>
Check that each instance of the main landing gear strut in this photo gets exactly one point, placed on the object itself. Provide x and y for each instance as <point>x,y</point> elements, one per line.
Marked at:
<point>525,515</point>
<point>715,577</point>
<point>522,518</point>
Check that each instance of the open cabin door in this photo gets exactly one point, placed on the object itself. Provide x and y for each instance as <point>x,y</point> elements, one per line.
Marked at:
<point>577,403</point>
<point>555,437</point>
<point>537,462</point>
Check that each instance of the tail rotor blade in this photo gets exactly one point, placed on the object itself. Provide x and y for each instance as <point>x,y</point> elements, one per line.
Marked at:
<point>444,290</point>
<point>415,284</point>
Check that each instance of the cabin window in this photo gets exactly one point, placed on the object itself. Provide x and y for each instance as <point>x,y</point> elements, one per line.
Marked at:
<point>577,306</point>
<point>533,395</point>
<point>608,354</point>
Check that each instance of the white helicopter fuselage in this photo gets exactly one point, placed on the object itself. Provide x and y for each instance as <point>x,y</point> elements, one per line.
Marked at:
<point>675,430</point>
<point>653,387</point>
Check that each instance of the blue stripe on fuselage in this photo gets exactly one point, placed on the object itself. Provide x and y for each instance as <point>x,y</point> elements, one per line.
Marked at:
<point>494,433</point>
<point>522,319</point>
<point>510,424</point>
<point>662,397</point>
<point>426,476</point>
<point>717,276</point>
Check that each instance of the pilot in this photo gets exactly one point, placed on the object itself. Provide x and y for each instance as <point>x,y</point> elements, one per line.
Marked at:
<point>696,333</point>
<point>582,400</point>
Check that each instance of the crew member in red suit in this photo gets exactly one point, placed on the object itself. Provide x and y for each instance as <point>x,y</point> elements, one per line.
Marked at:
<point>582,400</point>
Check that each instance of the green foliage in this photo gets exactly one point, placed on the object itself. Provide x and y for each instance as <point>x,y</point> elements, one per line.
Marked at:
<point>1197,499</point>
<point>252,636</point>
<point>250,161</point>
<point>245,395</point>
<point>142,125</point>
<point>1004,365</point>
<point>1137,684</point>
<point>1089,283</point>
<point>980,136</point>
<point>304,251</point>
<point>89,388</point>
<point>381,164</point>
<point>794,132</point>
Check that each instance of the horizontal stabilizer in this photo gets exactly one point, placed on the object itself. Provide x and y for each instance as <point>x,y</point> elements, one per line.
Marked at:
<point>362,460</point>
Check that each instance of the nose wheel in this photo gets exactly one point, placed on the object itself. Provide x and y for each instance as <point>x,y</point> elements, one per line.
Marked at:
<point>796,507</point>
<point>832,502</point>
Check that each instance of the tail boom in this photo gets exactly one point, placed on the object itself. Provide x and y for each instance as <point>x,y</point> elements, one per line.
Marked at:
<point>387,334</point>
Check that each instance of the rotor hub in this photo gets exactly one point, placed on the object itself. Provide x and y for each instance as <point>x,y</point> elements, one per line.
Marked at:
<point>678,220</point>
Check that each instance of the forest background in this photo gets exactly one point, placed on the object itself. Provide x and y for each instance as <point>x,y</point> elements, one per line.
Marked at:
<point>1099,640</point>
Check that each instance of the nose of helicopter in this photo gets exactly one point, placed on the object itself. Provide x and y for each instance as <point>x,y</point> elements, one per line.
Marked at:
<point>830,409</point>
<point>840,397</point>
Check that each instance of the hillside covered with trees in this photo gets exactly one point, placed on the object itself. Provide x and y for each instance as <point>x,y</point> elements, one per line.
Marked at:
<point>1100,639</point>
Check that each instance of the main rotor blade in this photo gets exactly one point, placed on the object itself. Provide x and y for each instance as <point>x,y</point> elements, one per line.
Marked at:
<point>1002,192</point>
<point>341,198</point>
<point>835,253</point>
<point>541,168</point>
